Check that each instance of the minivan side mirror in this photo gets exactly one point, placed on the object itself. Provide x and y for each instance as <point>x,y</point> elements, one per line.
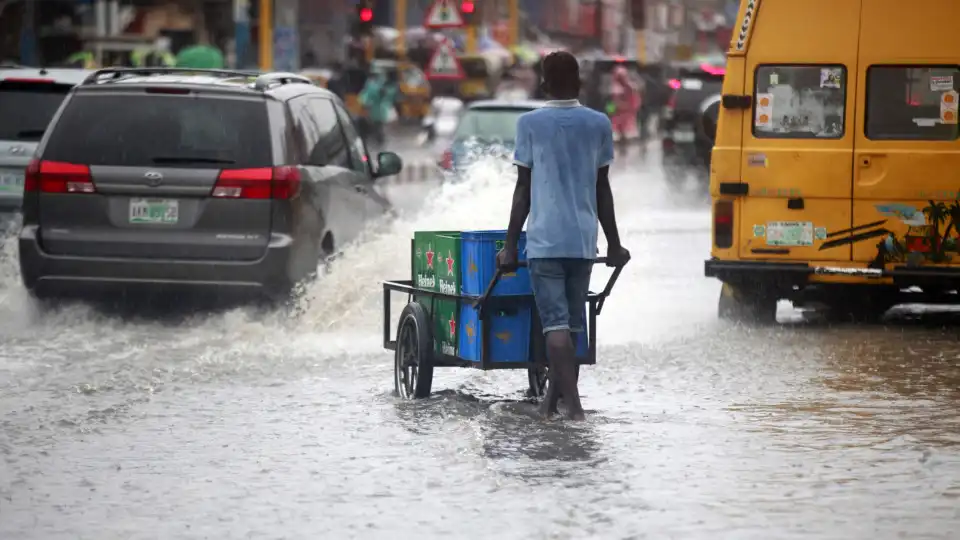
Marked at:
<point>388,164</point>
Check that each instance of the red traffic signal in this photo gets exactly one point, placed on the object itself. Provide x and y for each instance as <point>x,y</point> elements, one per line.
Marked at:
<point>366,14</point>
<point>466,7</point>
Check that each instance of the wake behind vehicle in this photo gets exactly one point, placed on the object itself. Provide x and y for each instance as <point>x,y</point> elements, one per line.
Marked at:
<point>485,127</point>
<point>197,179</point>
<point>29,97</point>
<point>835,173</point>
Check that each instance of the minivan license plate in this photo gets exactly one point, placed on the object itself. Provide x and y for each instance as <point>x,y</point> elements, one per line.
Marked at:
<point>11,181</point>
<point>163,211</point>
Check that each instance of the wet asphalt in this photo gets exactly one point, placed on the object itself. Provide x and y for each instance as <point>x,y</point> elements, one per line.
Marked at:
<point>245,423</point>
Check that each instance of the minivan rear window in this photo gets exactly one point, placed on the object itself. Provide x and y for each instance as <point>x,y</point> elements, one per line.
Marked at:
<point>489,124</point>
<point>800,102</point>
<point>912,102</point>
<point>142,130</point>
<point>27,107</point>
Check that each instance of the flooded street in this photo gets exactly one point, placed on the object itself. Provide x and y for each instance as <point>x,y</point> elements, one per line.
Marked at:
<point>245,424</point>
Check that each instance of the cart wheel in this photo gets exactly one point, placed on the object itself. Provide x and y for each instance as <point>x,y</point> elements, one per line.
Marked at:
<point>413,362</point>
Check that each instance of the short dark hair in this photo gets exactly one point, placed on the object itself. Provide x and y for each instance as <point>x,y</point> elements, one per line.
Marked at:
<point>561,74</point>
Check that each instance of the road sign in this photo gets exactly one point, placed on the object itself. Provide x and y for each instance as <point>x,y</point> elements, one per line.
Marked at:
<point>444,63</point>
<point>443,14</point>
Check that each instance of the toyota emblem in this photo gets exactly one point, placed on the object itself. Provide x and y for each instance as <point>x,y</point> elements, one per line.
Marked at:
<point>154,178</point>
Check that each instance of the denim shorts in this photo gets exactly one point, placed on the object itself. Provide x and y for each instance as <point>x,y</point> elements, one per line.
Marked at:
<point>560,289</point>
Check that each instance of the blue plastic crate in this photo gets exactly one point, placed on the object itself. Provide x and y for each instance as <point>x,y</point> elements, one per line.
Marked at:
<point>478,249</point>
<point>583,344</point>
<point>581,339</point>
<point>509,334</point>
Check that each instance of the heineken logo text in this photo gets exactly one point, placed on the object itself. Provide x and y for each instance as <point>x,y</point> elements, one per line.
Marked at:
<point>425,282</point>
<point>447,287</point>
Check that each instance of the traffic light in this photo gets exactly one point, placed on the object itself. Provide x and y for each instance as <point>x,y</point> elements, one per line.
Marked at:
<point>364,18</point>
<point>638,14</point>
<point>468,10</point>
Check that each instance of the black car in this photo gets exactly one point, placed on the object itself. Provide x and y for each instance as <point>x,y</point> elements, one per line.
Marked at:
<point>197,179</point>
<point>686,137</point>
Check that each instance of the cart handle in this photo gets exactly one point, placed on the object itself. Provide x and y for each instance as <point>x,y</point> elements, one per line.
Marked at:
<point>480,302</point>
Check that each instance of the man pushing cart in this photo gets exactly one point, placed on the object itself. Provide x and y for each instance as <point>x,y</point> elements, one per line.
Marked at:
<point>563,153</point>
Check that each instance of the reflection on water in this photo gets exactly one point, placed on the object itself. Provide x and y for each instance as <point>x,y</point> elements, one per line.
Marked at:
<point>874,384</point>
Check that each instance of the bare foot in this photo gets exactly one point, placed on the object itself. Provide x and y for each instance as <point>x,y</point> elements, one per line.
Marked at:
<point>550,399</point>
<point>577,416</point>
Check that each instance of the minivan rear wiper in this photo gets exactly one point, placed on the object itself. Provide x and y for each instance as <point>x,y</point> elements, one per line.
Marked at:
<point>31,133</point>
<point>191,159</point>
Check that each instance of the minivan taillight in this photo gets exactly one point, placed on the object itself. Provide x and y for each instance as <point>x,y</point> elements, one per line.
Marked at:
<point>58,177</point>
<point>723,224</point>
<point>261,183</point>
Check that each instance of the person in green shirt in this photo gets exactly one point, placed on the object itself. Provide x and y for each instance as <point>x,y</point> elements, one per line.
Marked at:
<point>378,98</point>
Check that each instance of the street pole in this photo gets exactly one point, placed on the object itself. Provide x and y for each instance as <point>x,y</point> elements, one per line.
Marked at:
<point>100,12</point>
<point>266,35</point>
<point>401,18</point>
<point>639,31</point>
<point>28,36</point>
<point>369,49</point>
<point>241,32</point>
<point>471,39</point>
<point>514,29</point>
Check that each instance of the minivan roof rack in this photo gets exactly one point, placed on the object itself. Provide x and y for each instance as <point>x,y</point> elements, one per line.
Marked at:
<point>109,74</point>
<point>267,80</point>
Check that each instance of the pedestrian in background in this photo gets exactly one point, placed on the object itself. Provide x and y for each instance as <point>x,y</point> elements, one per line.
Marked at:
<point>378,98</point>
<point>624,107</point>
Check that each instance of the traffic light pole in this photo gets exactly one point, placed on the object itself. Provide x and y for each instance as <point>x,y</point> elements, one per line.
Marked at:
<point>638,20</point>
<point>241,32</point>
<point>401,20</point>
<point>471,44</point>
<point>641,37</point>
<point>265,34</point>
<point>514,23</point>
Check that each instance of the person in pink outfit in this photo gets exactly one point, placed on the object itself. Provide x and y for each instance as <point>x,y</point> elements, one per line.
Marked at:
<point>624,106</point>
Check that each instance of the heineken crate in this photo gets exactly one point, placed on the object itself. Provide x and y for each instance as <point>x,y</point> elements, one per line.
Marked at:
<point>446,327</point>
<point>436,267</point>
<point>444,315</point>
<point>479,249</point>
<point>509,334</point>
<point>448,263</point>
<point>424,258</point>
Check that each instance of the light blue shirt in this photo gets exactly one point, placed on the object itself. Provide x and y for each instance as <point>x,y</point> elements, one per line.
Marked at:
<point>563,144</point>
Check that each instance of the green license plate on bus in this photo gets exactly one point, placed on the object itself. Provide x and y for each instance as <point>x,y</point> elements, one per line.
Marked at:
<point>164,211</point>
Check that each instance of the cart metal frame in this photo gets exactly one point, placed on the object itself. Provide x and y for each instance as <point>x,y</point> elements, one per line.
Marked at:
<point>487,304</point>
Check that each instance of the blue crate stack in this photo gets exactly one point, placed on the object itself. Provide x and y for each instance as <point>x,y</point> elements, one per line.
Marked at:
<point>583,342</point>
<point>510,329</point>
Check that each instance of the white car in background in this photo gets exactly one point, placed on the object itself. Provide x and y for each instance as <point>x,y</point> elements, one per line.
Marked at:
<point>441,122</point>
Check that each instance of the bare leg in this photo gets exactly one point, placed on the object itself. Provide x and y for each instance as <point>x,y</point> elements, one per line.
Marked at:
<point>563,370</point>
<point>550,400</point>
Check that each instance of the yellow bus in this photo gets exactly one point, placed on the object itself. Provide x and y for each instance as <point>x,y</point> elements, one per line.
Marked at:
<point>835,177</point>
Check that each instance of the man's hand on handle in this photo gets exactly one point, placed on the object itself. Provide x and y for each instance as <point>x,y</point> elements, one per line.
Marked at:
<point>617,256</point>
<point>507,260</point>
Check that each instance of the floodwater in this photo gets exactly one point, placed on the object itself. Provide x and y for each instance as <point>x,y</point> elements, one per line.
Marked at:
<point>244,424</point>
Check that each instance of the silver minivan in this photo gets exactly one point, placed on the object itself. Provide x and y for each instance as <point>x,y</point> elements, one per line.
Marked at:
<point>29,97</point>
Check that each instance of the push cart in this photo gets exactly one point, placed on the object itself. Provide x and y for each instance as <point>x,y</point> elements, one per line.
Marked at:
<point>416,354</point>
